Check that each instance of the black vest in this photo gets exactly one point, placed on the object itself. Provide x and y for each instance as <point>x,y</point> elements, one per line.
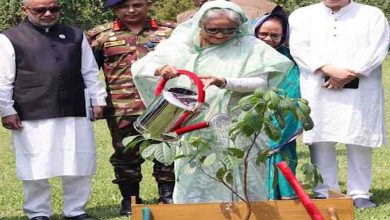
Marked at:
<point>48,82</point>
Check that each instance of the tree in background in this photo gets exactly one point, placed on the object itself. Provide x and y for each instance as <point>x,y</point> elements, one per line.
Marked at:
<point>85,14</point>
<point>10,13</point>
<point>80,13</point>
<point>291,5</point>
<point>168,9</point>
<point>89,13</point>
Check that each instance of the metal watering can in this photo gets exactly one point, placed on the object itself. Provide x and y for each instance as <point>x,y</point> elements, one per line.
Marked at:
<point>170,114</point>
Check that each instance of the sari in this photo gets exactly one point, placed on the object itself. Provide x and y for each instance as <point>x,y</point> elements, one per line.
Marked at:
<point>241,56</point>
<point>285,148</point>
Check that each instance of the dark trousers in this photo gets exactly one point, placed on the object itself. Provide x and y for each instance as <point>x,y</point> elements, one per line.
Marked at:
<point>127,165</point>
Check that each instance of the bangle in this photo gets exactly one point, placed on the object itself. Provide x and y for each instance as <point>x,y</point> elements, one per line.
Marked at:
<point>223,84</point>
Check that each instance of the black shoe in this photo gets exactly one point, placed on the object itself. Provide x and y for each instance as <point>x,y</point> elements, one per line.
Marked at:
<point>40,218</point>
<point>165,190</point>
<point>128,190</point>
<point>165,200</point>
<point>126,206</point>
<point>362,203</point>
<point>84,216</point>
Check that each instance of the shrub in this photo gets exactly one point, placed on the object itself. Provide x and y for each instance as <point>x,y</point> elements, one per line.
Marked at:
<point>81,13</point>
<point>291,5</point>
<point>89,13</point>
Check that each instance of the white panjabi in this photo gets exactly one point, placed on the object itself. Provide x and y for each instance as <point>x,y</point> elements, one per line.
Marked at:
<point>357,38</point>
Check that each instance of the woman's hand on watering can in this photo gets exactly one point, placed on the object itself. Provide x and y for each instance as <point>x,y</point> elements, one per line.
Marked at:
<point>167,72</point>
<point>208,80</point>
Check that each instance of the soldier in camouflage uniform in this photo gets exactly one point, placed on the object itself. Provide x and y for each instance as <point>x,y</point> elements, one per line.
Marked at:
<point>116,46</point>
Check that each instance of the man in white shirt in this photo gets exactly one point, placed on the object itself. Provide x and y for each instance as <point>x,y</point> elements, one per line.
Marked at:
<point>339,46</point>
<point>48,80</point>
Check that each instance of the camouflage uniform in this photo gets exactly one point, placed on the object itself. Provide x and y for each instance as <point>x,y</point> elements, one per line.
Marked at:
<point>115,49</point>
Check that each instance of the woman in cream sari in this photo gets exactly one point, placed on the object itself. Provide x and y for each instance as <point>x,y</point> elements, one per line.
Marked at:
<point>216,44</point>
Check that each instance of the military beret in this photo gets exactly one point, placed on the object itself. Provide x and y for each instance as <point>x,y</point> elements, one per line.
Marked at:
<point>110,3</point>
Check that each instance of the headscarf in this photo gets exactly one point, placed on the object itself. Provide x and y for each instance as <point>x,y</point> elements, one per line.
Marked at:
<point>242,56</point>
<point>284,22</point>
<point>243,28</point>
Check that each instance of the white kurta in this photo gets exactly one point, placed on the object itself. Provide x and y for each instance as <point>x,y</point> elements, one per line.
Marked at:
<point>52,147</point>
<point>357,38</point>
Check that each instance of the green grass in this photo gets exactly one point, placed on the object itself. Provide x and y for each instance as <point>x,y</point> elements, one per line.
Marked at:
<point>105,199</point>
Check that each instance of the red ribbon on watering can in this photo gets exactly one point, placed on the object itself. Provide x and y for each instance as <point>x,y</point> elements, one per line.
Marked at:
<point>302,196</point>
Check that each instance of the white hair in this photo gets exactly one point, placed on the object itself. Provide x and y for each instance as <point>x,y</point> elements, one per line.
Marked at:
<point>219,12</point>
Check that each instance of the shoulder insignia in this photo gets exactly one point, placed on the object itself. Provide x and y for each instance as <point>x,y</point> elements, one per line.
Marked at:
<point>153,23</point>
<point>161,34</point>
<point>112,38</point>
<point>169,24</point>
<point>99,29</point>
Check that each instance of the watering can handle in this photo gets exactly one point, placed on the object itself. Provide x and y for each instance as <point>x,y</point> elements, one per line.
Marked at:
<point>201,94</point>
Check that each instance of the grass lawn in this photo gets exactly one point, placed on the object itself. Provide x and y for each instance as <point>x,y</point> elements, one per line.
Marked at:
<point>105,198</point>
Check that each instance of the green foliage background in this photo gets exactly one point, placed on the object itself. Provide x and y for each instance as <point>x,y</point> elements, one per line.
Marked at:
<point>89,13</point>
<point>81,13</point>
<point>291,5</point>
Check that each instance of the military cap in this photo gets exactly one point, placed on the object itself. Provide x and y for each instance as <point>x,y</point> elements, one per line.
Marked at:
<point>110,3</point>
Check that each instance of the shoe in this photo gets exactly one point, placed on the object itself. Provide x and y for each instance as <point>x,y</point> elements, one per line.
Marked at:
<point>127,191</point>
<point>165,190</point>
<point>40,218</point>
<point>84,216</point>
<point>362,203</point>
<point>126,206</point>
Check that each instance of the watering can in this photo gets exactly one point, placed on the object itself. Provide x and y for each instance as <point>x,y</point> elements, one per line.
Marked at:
<point>170,114</point>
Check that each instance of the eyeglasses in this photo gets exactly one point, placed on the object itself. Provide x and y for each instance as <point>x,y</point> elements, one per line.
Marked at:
<point>43,10</point>
<point>273,36</point>
<point>220,30</point>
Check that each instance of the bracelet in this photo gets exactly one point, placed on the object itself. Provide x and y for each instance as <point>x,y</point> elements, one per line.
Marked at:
<point>223,85</point>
